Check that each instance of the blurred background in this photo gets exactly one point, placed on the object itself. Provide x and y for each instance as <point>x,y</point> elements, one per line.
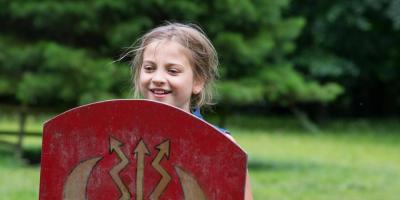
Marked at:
<point>308,88</point>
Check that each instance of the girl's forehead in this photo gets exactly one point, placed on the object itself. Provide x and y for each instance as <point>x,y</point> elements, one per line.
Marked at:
<point>164,42</point>
<point>166,48</point>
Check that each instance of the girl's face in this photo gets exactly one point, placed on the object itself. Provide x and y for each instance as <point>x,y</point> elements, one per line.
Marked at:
<point>166,74</point>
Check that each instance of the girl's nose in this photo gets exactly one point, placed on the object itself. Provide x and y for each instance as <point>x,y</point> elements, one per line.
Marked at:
<point>158,78</point>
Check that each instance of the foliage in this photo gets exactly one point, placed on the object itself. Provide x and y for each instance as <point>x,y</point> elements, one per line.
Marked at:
<point>354,43</point>
<point>71,44</point>
<point>46,73</point>
<point>286,86</point>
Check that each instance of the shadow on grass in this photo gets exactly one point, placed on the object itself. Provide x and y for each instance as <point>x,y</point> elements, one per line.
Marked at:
<point>262,123</point>
<point>7,145</point>
<point>30,156</point>
<point>273,165</point>
<point>36,134</point>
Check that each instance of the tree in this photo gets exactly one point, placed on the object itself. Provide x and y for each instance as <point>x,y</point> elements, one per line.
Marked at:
<point>38,76</point>
<point>354,43</point>
<point>254,39</point>
<point>255,49</point>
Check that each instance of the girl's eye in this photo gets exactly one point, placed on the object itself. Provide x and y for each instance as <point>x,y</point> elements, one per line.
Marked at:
<point>148,68</point>
<point>173,71</point>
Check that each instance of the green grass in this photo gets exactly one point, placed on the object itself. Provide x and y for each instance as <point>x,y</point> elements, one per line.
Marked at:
<point>33,124</point>
<point>321,167</point>
<point>18,181</point>
<point>355,159</point>
<point>349,159</point>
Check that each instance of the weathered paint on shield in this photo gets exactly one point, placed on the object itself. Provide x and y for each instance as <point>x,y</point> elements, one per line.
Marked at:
<point>138,149</point>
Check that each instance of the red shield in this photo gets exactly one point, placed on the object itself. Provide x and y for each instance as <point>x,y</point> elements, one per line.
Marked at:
<point>138,149</point>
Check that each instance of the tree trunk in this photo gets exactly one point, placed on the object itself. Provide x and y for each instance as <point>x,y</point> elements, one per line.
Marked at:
<point>321,114</point>
<point>304,120</point>
<point>21,132</point>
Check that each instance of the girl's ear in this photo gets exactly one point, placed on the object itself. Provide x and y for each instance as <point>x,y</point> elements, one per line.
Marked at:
<point>198,86</point>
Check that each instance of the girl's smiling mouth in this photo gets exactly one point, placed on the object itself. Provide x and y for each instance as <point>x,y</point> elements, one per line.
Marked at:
<point>160,92</point>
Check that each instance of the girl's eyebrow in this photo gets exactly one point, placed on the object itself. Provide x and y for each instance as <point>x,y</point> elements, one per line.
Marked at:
<point>148,61</point>
<point>168,64</point>
<point>172,64</point>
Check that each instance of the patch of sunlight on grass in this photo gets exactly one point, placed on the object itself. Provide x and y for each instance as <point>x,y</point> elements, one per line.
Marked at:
<point>19,182</point>
<point>34,124</point>
<point>321,166</point>
<point>28,142</point>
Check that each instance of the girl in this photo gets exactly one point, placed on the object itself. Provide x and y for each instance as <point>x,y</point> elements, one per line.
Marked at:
<point>177,64</point>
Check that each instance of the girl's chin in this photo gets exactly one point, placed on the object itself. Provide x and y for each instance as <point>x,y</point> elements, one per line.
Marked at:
<point>159,99</point>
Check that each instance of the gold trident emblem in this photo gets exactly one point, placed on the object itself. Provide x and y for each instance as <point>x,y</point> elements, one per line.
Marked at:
<point>76,183</point>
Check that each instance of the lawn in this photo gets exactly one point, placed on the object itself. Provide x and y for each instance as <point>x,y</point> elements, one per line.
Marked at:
<point>348,159</point>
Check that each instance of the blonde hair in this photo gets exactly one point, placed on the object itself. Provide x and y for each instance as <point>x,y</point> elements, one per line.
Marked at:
<point>203,57</point>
